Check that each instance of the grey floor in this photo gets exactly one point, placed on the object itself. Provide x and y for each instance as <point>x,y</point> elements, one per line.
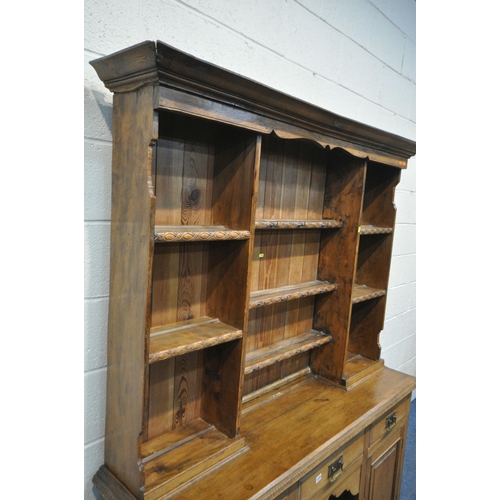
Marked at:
<point>408,484</point>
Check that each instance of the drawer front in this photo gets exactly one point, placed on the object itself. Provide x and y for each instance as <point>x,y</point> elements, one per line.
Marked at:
<point>390,423</point>
<point>332,471</point>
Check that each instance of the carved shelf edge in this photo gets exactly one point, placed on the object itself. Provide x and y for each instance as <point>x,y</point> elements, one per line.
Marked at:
<point>192,335</point>
<point>360,293</point>
<point>297,224</point>
<point>267,356</point>
<point>367,229</point>
<point>173,234</point>
<point>264,298</point>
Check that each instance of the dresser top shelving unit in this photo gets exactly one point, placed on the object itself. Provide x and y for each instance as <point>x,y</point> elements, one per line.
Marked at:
<point>250,253</point>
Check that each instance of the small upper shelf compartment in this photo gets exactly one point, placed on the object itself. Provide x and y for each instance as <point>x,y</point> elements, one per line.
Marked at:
<point>203,180</point>
<point>378,214</point>
<point>291,188</point>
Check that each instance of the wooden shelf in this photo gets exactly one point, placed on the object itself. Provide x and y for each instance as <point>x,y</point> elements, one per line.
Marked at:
<point>174,467</point>
<point>358,367</point>
<point>296,224</point>
<point>177,437</point>
<point>173,234</point>
<point>369,229</point>
<point>188,336</point>
<point>360,293</point>
<point>284,349</point>
<point>271,296</point>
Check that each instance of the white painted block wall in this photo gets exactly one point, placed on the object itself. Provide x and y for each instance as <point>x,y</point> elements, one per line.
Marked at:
<point>353,57</point>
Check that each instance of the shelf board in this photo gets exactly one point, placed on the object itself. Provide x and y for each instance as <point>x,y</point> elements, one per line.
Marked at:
<point>284,349</point>
<point>296,224</point>
<point>173,234</point>
<point>369,229</point>
<point>358,367</point>
<point>165,443</point>
<point>261,298</point>
<point>188,336</point>
<point>166,472</point>
<point>360,293</point>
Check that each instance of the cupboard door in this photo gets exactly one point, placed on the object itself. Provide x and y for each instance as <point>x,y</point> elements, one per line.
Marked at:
<point>385,467</point>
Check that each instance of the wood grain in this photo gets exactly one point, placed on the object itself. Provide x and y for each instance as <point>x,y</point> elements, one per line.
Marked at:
<point>337,261</point>
<point>236,252</point>
<point>130,275</point>
<point>333,418</point>
<point>204,333</point>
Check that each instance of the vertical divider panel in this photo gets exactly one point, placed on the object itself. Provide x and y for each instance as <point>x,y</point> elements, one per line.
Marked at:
<point>337,264</point>
<point>373,258</point>
<point>236,170</point>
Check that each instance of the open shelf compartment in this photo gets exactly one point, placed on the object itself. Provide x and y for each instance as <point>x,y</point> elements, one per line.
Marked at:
<point>193,449</point>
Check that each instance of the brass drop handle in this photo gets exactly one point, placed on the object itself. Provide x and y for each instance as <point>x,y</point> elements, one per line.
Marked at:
<point>336,469</point>
<point>390,421</point>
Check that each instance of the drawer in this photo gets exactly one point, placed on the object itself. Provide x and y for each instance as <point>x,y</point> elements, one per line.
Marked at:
<point>333,470</point>
<point>390,423</point>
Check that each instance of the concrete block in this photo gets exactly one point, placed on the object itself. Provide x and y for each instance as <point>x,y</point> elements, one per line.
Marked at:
<point>374,114</point>
<point>364,24</point>
<point>360,71</point>
<point>405,239</point>
<point>398,328</point>
<point>311,42</point>
<point>403,13</point>
<point>400,299</point>
<point>95,404</point>
<point>93,458</point>
<point>408,180</point>
<point>95,331</point>
<point>403,270</point>
<point>98,114</point>
<point>410,60</point>
<point>96,259</point>
<point>412,105</point>
<point>410,368</point>
<point>111,25</point>
<point>406,203</point>
<point>314,6</point>
<point>400,353</point>
<point>396,93</point>
<point>259,20</point>
<point>97,181</point>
